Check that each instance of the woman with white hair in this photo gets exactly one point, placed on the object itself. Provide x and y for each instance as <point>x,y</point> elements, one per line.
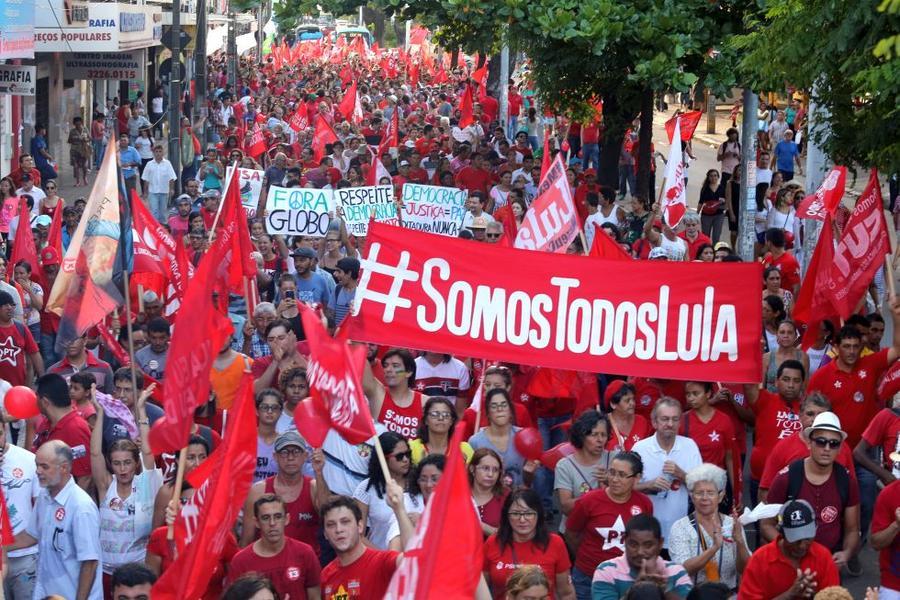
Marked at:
<point>710,545</point>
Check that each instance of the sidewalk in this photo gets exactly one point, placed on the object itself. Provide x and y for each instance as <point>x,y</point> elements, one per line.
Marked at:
<point>66,183</point>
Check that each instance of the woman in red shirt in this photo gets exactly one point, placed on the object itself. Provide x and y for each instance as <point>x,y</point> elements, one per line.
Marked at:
<point>487,490</point>
<point>524,539</point>
<point>626,428</point>
<point>713,433</point>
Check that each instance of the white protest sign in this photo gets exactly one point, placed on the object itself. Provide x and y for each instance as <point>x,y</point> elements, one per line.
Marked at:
<point>360,204</point>
<point>250,181</point>
<point>433,209</point>
<point>298,211</point>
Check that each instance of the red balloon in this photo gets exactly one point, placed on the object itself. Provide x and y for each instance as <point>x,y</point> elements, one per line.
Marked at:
<point>311,423</point>
<point>556,454</point>
<point>21,402</point>
<point>529,443</point>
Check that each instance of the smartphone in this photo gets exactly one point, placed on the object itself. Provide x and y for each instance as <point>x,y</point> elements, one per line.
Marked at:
<point>290,294</point>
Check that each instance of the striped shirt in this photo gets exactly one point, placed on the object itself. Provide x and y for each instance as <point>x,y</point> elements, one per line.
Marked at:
<point>614,578</point>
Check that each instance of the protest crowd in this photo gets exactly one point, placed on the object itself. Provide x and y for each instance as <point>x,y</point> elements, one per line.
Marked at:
<point>258,415</point>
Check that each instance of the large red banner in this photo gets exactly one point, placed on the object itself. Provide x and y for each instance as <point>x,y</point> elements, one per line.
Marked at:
<point>645,318</point>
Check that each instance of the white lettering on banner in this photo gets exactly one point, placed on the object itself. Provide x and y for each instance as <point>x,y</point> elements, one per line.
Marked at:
<point>342,395</point>
<point>858,240</point>
<point>550,224</point>
<point>594,326</point>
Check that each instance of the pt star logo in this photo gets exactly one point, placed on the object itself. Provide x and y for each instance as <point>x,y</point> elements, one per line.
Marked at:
<point>714,436</point>
<point>612,536</point>
<point>9,352</point>
<point>862,373</point>
<point>837,385</point>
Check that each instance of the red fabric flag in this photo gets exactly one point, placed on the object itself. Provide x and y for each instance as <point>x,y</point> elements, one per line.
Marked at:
<point>6,532</point>
<point>376,171</point>
<point>241,264</point>
<point>861,251</point>
<point>417,35</point>
<point>550,224</point>
<point>257,145</point>
<point>689,122</point>
<point>334,372</point>
<point>259,119</point>
<point>480,76</point>
<point>24,248</point>
<point>200,331</point>
<point>221,483</point>
<point>441,76</point>
<point>545,155</point>
<point>54,236</point>
<point>449,526</point>
<point>604,246</point>
<point>825,199</point>
<point>323,135</point>
<point>348,104</point>
<point>466,107</point>
<point>300,119</point>
<point>812,304</point>
<point>413,72</point>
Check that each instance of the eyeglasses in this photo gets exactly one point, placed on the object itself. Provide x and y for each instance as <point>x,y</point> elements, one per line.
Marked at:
<point>704,494</point>
<point>487,469</point>
<point>402,455</point>
<point>823,442</point>
<point>525,514</point>
<point>433,479</point>
<point>440,416</point>
<point>498,406</point>
<point>269,407</point>
<point>619,474</point>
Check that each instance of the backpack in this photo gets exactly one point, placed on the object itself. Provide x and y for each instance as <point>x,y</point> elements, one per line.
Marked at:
<point>796,477</point>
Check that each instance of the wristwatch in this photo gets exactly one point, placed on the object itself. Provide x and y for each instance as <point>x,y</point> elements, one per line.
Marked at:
<point>144,422</point>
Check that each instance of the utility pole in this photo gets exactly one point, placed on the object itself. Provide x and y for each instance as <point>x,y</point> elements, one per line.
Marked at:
<point>200,71</point>
<point>175,90</point>
<point>747,218</point>
<point>504,83</point>
<point>817,121</point>
<point>231,50</point>
<point>259,32</point>
<point>710,112</point>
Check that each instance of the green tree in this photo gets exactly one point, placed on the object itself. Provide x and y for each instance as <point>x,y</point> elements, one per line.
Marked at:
<point>844,52</point>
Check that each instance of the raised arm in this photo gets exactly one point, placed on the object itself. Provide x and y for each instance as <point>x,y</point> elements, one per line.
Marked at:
<point>147,458</point>
<point>101,476</point>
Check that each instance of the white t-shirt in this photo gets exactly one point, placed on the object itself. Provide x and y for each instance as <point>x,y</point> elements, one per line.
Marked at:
<point>346,464</point>
<point>20,487</point>
<point>764,176</point>
<point>158,174</point>
<point>675,250</point>
<point>381,517</point>
<point>156,104</point>
<point>672,505</point>
<point>450,378</point>
<point>144,146</point>
<point>33,316</point>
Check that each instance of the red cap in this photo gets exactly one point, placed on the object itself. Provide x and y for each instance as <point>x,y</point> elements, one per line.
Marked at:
<point>613,388</point>
<point>49,256</point>
<point>590,171</point>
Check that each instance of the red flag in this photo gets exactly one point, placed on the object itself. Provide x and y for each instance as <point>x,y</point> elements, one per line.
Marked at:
<point>812,304</point>
<point>413,72</point>
<point>417,35</point>
<point>257,145</point>
<point>241,264</point>
<point>861,250</point>
<point>323,135</point>
<point>154,249</point>
<point>674,196</point>
<point>221,483</point>
<point>449,526</point>
<point>604,246</point>
<point>23,245</point>
<point>54,236</point>
<point>441,76</point>
<point>826,198</point>
<point>545,156</point>
<point>300,119</point>
<point>480,76</point>
<point>689,122</point>
<point>6,532</point>
<point>377,171</point>
<point>466,104</point>
<point>551,223</point>
<point>347,107</point>
<point>333,372</point>
<point>200,331</point>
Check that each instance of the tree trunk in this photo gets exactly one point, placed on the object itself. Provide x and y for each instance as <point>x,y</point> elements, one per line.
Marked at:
<point>619,109</point>
<point>454,58</point>
<point>645,157</point>
<point>376,18</point>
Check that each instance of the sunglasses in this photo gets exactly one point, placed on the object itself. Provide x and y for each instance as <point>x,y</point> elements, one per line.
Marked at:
<point>403,455</point>
<point>492,236</point>
<point>823,442</point>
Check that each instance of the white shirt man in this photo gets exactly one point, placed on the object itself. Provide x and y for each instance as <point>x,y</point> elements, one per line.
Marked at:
<point>667,458</point>
<point>160,177</point>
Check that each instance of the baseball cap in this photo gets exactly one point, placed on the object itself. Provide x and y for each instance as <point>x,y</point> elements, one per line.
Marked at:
<point>289,438</point>
<point>49,256</point>
<point>798,521</point>
<point>184,198</point>
<point>826,421</point>
<point>404,163</point>
<point>212,194</point>
<point>43,221</point>
<point>722,246</point>
<point>612,389</point>
<point>658,253</point>
<point>26,177</point>
<point>304,253</point>
<point>589,172</point>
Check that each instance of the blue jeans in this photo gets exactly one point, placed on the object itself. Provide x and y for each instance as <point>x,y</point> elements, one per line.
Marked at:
<point>582,584</point>
<point>159,206</point>
<point>48,351</point>
<point>551,436</point>
<point>590,153</point>
<point>868,491</point>
<point>511,126</point>
<point>99,149</point>
<point>627,180</point>
<point>535,144</point>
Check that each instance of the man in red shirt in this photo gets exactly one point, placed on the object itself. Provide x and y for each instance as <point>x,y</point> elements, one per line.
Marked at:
<point>290,564</point>
<point>792,566</point>
<point>826,486</point>
<point>358,572</point>
<point>782,259</point>
<point>416,173</point>
<point>65,425</point>
<point>475,178</point>
<point>588,185</point>
<point>490,106</point>
<point>77,359</point>
<point>885,526</point>
<point>20,358</point>
<point>514,102</point>
<point>26,167</point>
<point>883,432</point>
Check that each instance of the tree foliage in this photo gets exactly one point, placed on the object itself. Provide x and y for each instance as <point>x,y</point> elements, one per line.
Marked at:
<point>842,50</point>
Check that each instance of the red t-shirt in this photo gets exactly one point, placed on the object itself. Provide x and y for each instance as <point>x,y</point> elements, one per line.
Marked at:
<point>76,433</point>
<point>490,106</point>
<point>884,431</point>
<point>501,565</point>
<point>366,578</point>
<point>789,267</point>
<point>601,523</point>
<point>853,397</point>
<point>740,430</point>
<point>794,448</point>
<point>648,391</point>
<point>16,342</point>
<point>695,245</point>
<point>889,558</point>
<point>590,133</point>
<point>775,420</point>
<point>769,572</point>
<point>417,175</point>
<point>472,179</point>
<point>622,440</point>
<point>402,420</point>
<point>159,546</point>
<point>713,439</point>
<point>514,102</point>
<point>826,502</point>
<point>292,570</point>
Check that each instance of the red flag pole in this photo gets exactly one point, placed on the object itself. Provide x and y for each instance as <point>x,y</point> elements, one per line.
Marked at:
<point>176,493</point>
<point>381,459</point>
<point>212,230</point>
<point>889,275</point>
